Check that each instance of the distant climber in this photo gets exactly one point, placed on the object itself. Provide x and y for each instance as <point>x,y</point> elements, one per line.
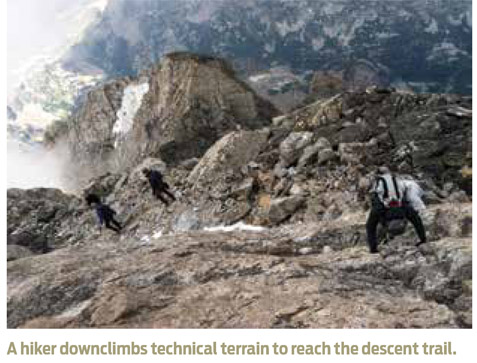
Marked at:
<point>158,185</point>
<point>393,201</point>
<point>105,213</point>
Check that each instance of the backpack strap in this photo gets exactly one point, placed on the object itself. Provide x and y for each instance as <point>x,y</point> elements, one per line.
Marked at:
<point>396,189</point>
<point>385,186</point>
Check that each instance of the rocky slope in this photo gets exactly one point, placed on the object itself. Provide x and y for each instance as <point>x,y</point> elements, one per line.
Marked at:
<point>268,228</point>
<point>281,278</point>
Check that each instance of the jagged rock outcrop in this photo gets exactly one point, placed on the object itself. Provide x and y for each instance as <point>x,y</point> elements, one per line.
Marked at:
<point>174,111</point>
<point>416,133</point>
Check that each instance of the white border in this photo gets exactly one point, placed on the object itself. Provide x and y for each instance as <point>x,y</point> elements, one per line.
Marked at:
<point>463,341</point>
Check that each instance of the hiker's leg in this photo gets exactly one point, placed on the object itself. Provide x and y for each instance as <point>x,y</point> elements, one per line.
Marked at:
<point>116,223</point>
<point>109,226</point>
<point>371,230</point>
<point>416,221</point>
<point>161,198</point>
<point>170,194</point>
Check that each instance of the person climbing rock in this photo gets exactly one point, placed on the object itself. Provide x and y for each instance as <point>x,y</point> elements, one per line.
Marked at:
<point>104,213</point>
<point>391,201</point>
<point>158,185</point>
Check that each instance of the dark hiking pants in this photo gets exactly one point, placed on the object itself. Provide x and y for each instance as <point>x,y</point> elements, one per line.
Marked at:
<point>113,225</point>
<point>378,214</point>
<point>158,193</point>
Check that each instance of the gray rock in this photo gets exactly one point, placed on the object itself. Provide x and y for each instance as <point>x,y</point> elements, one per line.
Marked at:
<point>230,153</point>
<point>15,252</point>
<point>189,164</point>
<point>292,147</point>
<point>325,156</point>
<point>282,208</point>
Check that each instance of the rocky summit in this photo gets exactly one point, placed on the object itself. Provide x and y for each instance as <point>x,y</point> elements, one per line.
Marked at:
<point>185,97</point>
<point>268,229</point>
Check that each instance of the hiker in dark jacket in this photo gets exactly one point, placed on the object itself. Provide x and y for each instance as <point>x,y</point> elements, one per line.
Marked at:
<point>158,185</point>
<point>104,213</point>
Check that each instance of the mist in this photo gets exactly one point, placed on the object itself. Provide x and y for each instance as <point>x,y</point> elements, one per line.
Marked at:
<point>36,166</point>
<point>39,32</point>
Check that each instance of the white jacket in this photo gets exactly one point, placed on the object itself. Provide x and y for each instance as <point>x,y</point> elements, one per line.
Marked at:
<point>403,190</point>
<point>414,195</point>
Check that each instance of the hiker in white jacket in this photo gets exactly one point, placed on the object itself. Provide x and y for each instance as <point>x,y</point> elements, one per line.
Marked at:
<point>393,198</point>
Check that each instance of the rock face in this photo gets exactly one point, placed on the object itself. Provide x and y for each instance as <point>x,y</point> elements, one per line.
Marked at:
<point>174,111</point>
<point>35,218</point>
<point>268,229</point>
<point>245,280</point>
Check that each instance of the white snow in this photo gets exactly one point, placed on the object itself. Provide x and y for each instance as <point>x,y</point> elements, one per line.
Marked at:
<point>317,43</point>
<point>333,31</point>
<point>157,234</point>
<point>132,98</point>
<point>259,77</point>
<point>145,240</point>
<point>285,28</point>
<point>455,20</point>
<point>446,49</point>
<point>432,27</point>
<point>240,226</point>
<point>344,34</point>
<point>332,8</point>
<point>468,18</point>
<point>75,310</point>
<point>386,35</point>
<point>270,48</point>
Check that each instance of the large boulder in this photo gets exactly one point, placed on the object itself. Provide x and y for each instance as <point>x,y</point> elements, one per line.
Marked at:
<point>229,154</point>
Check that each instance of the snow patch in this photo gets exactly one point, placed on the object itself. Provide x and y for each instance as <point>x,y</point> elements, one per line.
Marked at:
<point>285,28</point>
<point>258,78</point>
<point>132,98</point>
<point>157,234</point>
<point>240,226</point>
<point>432,27</point>
<point>456,21</point>
<point>270,48</point>
<point>75,310</point>
<point>332,8</point>
<point>386,35</point>
<point>317,43</point>
<point>446,49</point>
